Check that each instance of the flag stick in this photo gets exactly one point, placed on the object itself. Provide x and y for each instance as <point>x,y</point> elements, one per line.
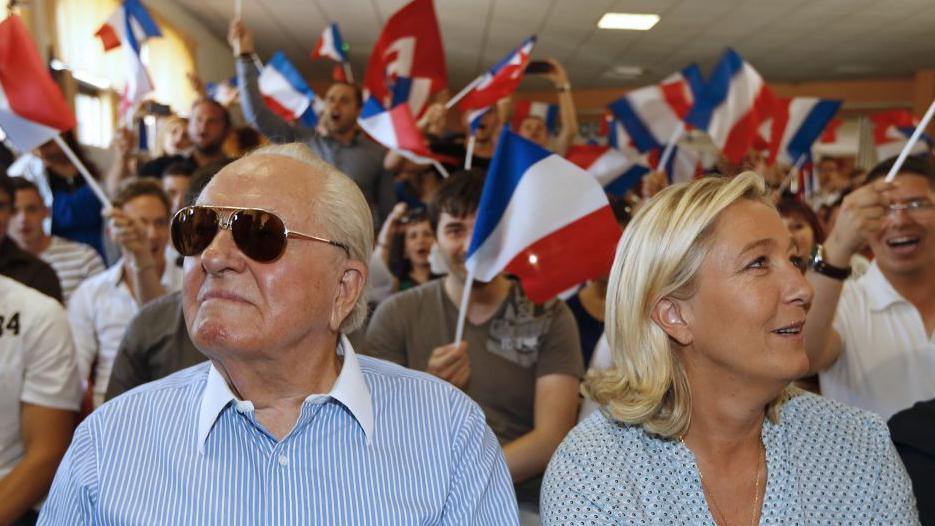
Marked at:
<point>912,142</point>
<point>670,147</point>
<point>347,71</point>
<point>441,169</point>
<point>454,100</point>
<point>83,170</point>
<point>787,182</point>
<point>462,310</point>
<point>469,155</point>
<point>238,8</point>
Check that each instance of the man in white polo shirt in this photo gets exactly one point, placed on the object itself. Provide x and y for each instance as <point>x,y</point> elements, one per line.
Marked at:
<point>103,306</point>
<point>871,338</point>
<point>39,397</point>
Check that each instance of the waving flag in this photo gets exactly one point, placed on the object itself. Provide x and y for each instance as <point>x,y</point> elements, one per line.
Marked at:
<point>796,124</point>
<point>616,171</point>
<point>224,92</point>
<point>891,132</point>
<point>286,93</point>
<point>330,45</point>
<point>523,109</point>
<point>542,219</point>
<point>396,129</point>
<point>501,80</point>
<point>651,115</point>
<point>732,105</point>
<point>407,63</point>
<point>32,107</point>
<point>129,26</point>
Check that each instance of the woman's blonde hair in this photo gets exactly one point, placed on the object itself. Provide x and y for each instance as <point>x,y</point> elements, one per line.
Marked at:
<point>659,256</point>
<point>163,130</point>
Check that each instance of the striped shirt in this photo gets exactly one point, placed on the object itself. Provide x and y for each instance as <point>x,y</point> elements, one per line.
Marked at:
<point>73,263</point>
<point>386,446</point>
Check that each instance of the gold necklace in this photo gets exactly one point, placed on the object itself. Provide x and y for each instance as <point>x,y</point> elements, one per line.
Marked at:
<point>756,487</point>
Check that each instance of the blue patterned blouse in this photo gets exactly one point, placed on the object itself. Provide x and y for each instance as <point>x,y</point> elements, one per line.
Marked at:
<point>827,464</point>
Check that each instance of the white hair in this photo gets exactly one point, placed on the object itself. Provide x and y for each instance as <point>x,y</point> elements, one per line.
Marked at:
<point>340,209</point>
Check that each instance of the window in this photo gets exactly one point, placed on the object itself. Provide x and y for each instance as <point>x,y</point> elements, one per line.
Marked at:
<point>94,113</point>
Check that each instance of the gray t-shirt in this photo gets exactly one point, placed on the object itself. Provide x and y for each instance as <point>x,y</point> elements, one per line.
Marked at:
<point>521,342</point>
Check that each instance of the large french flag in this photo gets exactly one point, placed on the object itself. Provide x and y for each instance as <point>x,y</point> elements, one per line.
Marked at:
<point>796,124</point>
<point>129,26</point>
<point>523,109</point>
<point>891,132</point>
<point>286,92</point>
<point>616,171</point>
<point>407,64</point>
<point>330,45</point>
<point>32,108</point>
<point>651,114</point>
<point>395,129</point>
<point>732,105</point>
<point>541,218</point>
<point>501,80</point>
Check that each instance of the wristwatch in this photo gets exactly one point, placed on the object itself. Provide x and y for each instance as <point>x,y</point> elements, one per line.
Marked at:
<point>819,265</point>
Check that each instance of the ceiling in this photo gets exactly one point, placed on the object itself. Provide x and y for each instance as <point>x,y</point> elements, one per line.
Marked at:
<point>785,40</point>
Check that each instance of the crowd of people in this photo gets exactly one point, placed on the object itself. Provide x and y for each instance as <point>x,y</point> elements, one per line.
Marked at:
<point>267,335</point>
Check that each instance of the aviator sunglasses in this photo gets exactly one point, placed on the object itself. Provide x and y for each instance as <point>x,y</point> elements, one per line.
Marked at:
<point>260,234</point>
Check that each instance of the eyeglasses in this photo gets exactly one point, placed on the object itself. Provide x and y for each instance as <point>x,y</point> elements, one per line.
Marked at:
<point>913,208</point>
<point>261,235</point>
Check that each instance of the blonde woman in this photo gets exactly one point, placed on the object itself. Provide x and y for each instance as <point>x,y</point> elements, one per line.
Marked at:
<point>699,424</point>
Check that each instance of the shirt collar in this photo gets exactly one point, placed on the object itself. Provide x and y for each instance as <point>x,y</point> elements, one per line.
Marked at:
<point>350,389</point>
<point>879,290</point>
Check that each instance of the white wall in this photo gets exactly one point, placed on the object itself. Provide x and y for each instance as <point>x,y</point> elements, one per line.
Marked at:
<point>212,55</point>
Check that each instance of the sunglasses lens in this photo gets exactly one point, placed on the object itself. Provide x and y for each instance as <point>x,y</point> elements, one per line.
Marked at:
<point>261,236</point>
<point>193,229</point>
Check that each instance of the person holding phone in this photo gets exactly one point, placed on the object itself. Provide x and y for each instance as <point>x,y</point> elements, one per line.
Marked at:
<point>533,127</point>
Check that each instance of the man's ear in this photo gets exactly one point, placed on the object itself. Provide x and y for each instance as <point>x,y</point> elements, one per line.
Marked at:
<point>353,280</point>
<point>668,314</point>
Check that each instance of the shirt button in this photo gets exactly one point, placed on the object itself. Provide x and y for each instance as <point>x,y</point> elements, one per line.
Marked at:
<point>283,461</point>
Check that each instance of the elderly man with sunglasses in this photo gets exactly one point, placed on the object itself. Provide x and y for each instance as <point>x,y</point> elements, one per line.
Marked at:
<point>286,424</point>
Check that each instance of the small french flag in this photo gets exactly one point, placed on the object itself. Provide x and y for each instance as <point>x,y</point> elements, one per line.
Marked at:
<point>396,129</point>
<point>650,115</point>
<point>286,93</point>
<point>541,218</point>
<point>891,132</point>
<point>796,124</point>
<point>32,107</point>
<point>330,45</point>
<point>523,109</point>
<point>129,26</point>
<point>616,171</point>
<point>732,105</point>
<point>501,80</point>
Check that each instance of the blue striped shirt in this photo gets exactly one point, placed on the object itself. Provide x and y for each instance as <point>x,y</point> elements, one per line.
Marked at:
<point>386,446</point>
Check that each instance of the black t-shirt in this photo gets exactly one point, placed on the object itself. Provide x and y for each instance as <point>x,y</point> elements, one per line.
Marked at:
<point>589,328</point>
<point>156,167</point>
<point>913,433</point>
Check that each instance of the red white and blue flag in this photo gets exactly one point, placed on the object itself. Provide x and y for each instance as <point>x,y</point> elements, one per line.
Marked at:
<point>650,115</point>
<point>500,81</point>
<point>542,219</point>
<point>224,92</point>
<point>616,171</point>
<point>523,109</point>
<point>286,92</point>
<point>32,107</point>
<point>795,124</point>
<point>407,63</point>
<point>891,132</point>
<point>395,129</point>
<point>129,27</point>
<point>330,45</point>
<point>732,106</point>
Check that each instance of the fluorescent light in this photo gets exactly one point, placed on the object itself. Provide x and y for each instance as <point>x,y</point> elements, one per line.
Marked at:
<point>634,21</point>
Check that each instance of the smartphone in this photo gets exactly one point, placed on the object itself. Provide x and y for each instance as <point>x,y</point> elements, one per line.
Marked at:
<point>538,67</point>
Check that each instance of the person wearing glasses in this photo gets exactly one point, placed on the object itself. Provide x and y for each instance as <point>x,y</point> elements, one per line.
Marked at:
<point>872,339</point>
<point>103,305</point>
<point>699,421</point>
<point>286,424</point>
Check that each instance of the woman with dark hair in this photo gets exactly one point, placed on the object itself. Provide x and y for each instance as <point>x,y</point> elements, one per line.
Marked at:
<point>404,245</point>
<point>75,210</point>
<point>802,223</point>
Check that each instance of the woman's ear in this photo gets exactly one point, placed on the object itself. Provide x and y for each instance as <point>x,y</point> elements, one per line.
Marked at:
<point>667,313</point>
